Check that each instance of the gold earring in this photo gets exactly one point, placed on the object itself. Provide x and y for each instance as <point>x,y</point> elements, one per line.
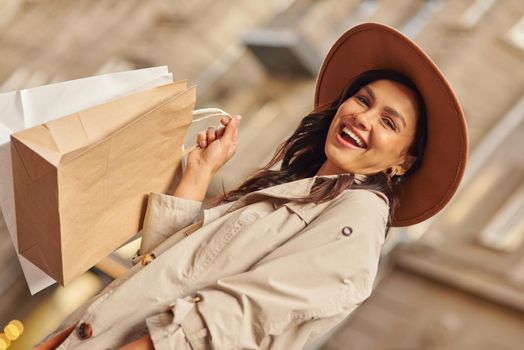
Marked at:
<point>392,171</point>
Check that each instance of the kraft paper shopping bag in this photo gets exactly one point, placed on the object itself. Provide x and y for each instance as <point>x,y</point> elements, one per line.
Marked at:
<point>26,108</point>
<point>81,181</point>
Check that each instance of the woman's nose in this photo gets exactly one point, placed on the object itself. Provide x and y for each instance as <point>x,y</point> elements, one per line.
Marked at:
<point>362,121</point>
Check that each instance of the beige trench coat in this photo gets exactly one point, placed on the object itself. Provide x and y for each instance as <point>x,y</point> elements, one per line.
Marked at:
<point>258,273</point>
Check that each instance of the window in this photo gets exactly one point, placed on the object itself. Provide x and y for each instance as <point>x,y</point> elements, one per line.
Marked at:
<point>505,232</point>
<point>474,13</point>
<point>516,34</point>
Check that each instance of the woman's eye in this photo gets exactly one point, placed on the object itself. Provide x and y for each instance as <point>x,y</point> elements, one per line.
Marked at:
<point>389,123</point>
<point>362,100</point>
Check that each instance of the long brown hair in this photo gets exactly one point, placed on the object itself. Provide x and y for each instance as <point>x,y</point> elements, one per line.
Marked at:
<point>302,154</point>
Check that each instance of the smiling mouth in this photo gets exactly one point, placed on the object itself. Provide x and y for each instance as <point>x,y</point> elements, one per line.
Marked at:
<point>352,137</point>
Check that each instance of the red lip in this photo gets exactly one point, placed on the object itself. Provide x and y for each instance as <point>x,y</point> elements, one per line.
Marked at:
<point>353,130</point>
<point>344,143</point>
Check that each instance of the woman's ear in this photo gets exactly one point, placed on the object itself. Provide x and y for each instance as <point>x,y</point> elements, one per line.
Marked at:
<point>406,165</point>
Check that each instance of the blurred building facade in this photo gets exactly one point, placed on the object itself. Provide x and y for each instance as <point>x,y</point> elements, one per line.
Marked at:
<point>456,282</point>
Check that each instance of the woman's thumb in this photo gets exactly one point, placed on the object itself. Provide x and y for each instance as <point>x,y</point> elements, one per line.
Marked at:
<point>231,128</point>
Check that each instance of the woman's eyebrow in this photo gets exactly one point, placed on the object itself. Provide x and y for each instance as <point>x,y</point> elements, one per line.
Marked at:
<point>388,109</point>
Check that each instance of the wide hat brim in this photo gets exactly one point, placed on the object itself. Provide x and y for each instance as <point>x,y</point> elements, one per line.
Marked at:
<point>376,46</point>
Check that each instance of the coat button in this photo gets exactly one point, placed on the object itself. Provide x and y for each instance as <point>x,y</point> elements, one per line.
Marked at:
<point>85,331</point>
<point>347,231</point>
<point>196,298</point>
<point>170,309</point>
<point>147,258</point>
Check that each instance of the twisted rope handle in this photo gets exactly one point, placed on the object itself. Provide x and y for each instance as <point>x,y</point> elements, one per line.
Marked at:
<point>212,112</point>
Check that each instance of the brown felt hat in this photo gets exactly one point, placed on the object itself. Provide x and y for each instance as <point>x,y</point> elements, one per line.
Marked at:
<point>376,46</point>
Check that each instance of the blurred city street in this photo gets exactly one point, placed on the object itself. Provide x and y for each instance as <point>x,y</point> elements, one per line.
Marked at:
<point>454,282</point>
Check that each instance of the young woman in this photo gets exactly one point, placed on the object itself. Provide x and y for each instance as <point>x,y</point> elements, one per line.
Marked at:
<point>291,252</point>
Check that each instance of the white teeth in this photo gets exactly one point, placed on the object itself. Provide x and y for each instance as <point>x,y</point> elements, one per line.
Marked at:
<point>357,139</point>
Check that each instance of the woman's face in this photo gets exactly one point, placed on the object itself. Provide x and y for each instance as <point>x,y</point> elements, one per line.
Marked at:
<point>372,131</point>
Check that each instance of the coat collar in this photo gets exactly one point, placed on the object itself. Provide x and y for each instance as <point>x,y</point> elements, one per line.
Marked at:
<point>297,188</point>
<point>292,189</point>
<point>288,190</point>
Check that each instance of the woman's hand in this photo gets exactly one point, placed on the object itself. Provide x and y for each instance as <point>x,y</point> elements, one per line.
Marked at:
<point>215,147</point>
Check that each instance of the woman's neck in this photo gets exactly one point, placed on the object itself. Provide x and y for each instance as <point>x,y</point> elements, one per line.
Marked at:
<point>327,170</point>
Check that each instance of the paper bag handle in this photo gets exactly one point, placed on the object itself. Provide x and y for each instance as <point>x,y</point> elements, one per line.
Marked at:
<point>214,112</point>
<point>211,112</point>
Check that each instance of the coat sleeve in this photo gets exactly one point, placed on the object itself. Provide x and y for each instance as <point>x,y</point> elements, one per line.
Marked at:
<point>327,270</point>
<point>166,215</point>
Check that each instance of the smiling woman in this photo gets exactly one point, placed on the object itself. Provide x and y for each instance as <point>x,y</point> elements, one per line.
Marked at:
<point>291,252</point>
<point>383,115</point>
<point>369,123</point>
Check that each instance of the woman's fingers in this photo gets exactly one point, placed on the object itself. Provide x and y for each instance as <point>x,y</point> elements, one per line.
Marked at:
<point>204,138</point>
<point>220,131</point>
<point>211,134</point>
<point>230,134</point>
<point>225,120</point>
<point>222,128</point>
<point>201,139</point>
